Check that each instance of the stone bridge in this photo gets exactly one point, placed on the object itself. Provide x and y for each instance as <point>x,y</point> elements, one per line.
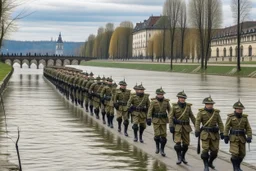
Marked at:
<point>45,60</point>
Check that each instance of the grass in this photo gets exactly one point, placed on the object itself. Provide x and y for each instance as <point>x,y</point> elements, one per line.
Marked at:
<point>4,70</point>
<point>211,70</point>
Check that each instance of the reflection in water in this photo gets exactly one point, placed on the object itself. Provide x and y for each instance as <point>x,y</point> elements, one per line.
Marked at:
<point>55,135</point>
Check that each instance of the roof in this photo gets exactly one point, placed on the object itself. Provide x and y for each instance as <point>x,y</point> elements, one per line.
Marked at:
<point>247,27</point>
<point>60,39</point>
<point>147,24</point>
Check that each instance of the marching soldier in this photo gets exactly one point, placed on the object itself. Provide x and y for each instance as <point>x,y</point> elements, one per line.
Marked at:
<point>102,105</point>
<point>238,131</point>
<point>209,133</point>
<point>120,103</point>
<point>179,118</point>
<point>95,93</point>
<point>106,95</point>
<point>84,91</point>
<point>158,115</point>
<point>88,99</point>
<point>139,104</point>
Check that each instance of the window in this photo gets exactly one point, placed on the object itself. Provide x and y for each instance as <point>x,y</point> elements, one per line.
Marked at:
<point>225,52</point>
<point>242,51</point>
<point>230,51</point>
<point>250,51</point>
<point>218,52</point>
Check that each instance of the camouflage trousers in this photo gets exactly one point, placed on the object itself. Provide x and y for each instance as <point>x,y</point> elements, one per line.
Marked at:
<point>109,110</point>
<point>210,145</point>
<point>237,149</point>
<point>96,103</point>
<point>122,114</point>
<point>160,130</point>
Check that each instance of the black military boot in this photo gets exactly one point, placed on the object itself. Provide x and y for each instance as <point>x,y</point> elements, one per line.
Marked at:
<point>103,117</point>
<point>213,156</point>
<point>126,123</point>
<point>141,133</point>
<point>205,158</point>
<point>157,140</point>
<point>239,164</point>
<point>97,112</point>
<point>76,102</point>
<point>108,119</point>
<point>119,121</point>
<point>91,109</point>
<point>163,141</point>
<point>177,148</point>
<point>111,121</point>
<point>82,104</point>
<point>235,162</point>
<point>87,107</point>
<point>183,153</point>
<point>135,130</point>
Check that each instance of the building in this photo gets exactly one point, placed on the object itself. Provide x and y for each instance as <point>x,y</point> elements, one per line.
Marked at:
<point>142,33</point>
<point>224,44</point>
<point>59,46</point>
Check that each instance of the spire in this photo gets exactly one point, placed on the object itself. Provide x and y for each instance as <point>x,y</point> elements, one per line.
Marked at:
<point>60,39</point>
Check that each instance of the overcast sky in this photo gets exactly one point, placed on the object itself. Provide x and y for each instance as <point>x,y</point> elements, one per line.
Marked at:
<point>76,19</point>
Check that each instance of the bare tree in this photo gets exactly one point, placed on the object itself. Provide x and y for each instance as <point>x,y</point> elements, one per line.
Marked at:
<point>7,21</point>
<point>171,10</point>
<point>127,24</point>
<point>183,26</point>
<point>241,10</point>
<point>206,16</point>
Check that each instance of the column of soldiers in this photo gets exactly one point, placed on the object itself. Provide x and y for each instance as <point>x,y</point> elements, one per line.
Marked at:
<point>101,95</point>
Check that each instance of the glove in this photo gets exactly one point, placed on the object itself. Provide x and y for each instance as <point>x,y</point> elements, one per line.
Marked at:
<point>116,105</point>
<point>221,136</point>
<point>172,129</point>
<point>248,139</point>
<point>149,122</point>
<point>102,100</point>
<point>226,139</point>
<point>197,133</point>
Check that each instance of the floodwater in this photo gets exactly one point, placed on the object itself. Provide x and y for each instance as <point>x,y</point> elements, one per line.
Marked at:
<point>55,135</point>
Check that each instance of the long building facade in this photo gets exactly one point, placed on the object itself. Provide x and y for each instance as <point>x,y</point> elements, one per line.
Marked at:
<point>224,44</point>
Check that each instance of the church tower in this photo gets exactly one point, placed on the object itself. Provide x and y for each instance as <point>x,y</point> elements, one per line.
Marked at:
<point>59,46</point>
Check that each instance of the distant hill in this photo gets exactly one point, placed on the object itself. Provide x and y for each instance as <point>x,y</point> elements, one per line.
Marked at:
<point>42,47</point>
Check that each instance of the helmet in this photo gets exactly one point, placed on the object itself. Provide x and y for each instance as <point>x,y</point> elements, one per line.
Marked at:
<point>238,105</point>
<point>140,87</point>
<point>160,91</point>
<point>109,79</point>
<point>123,83</point>
<point>104,78</point>
<point>182,94</point>
<point>208,100</point>
<point>98,78</point>
<point>135,87</point>
<point>91,74</point>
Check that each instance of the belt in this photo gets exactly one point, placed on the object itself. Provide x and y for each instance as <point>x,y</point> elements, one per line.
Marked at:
<point>159,115</point>
<point>181,122</point>
<point>211,129</point>
<point>122,103</point>
<point>108,98</point>
<point>237,132</point>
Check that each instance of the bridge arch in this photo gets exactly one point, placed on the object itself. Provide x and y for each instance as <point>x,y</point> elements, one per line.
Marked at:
<point>43,62</point>
<point>66,62</point>
<point>74,62</point>
<point>8,61</point>
<point>25,61</point>
<point>50,62</point>
<point>17,61</point>
<point>58,62</point>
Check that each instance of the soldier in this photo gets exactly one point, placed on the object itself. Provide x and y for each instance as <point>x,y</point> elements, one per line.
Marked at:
<point>120,103</point>
<point>84,96</point>
<point>88,98</point>
<point>106,95</point>
<point>95,93</point>
<point>158,115</point>
<point>237,126</point>
<point>209,133</point>
<point>103,106</point>
<point>179,118</point>
<point>138,104</point>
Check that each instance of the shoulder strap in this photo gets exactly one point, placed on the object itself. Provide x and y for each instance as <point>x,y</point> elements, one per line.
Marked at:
<point>209,120</point>
<point>183,112</point>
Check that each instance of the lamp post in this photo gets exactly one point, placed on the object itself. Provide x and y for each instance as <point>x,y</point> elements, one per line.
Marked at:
<point>238,36</point>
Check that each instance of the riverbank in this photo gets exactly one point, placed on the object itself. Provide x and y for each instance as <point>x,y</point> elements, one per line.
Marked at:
<point>248,70</point>
<point>5,75</point>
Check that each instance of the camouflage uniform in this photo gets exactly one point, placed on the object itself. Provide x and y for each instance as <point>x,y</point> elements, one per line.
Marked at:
<point>84,91</point>
<point>158,115</point>
<point>88,97</point>
<point>95,93</point>
<point>106,95</point>
<point>138,105</point>
<point>120,100</point>
<point>179,118</point>
<point>236,129</point>
<point>209,133</point>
